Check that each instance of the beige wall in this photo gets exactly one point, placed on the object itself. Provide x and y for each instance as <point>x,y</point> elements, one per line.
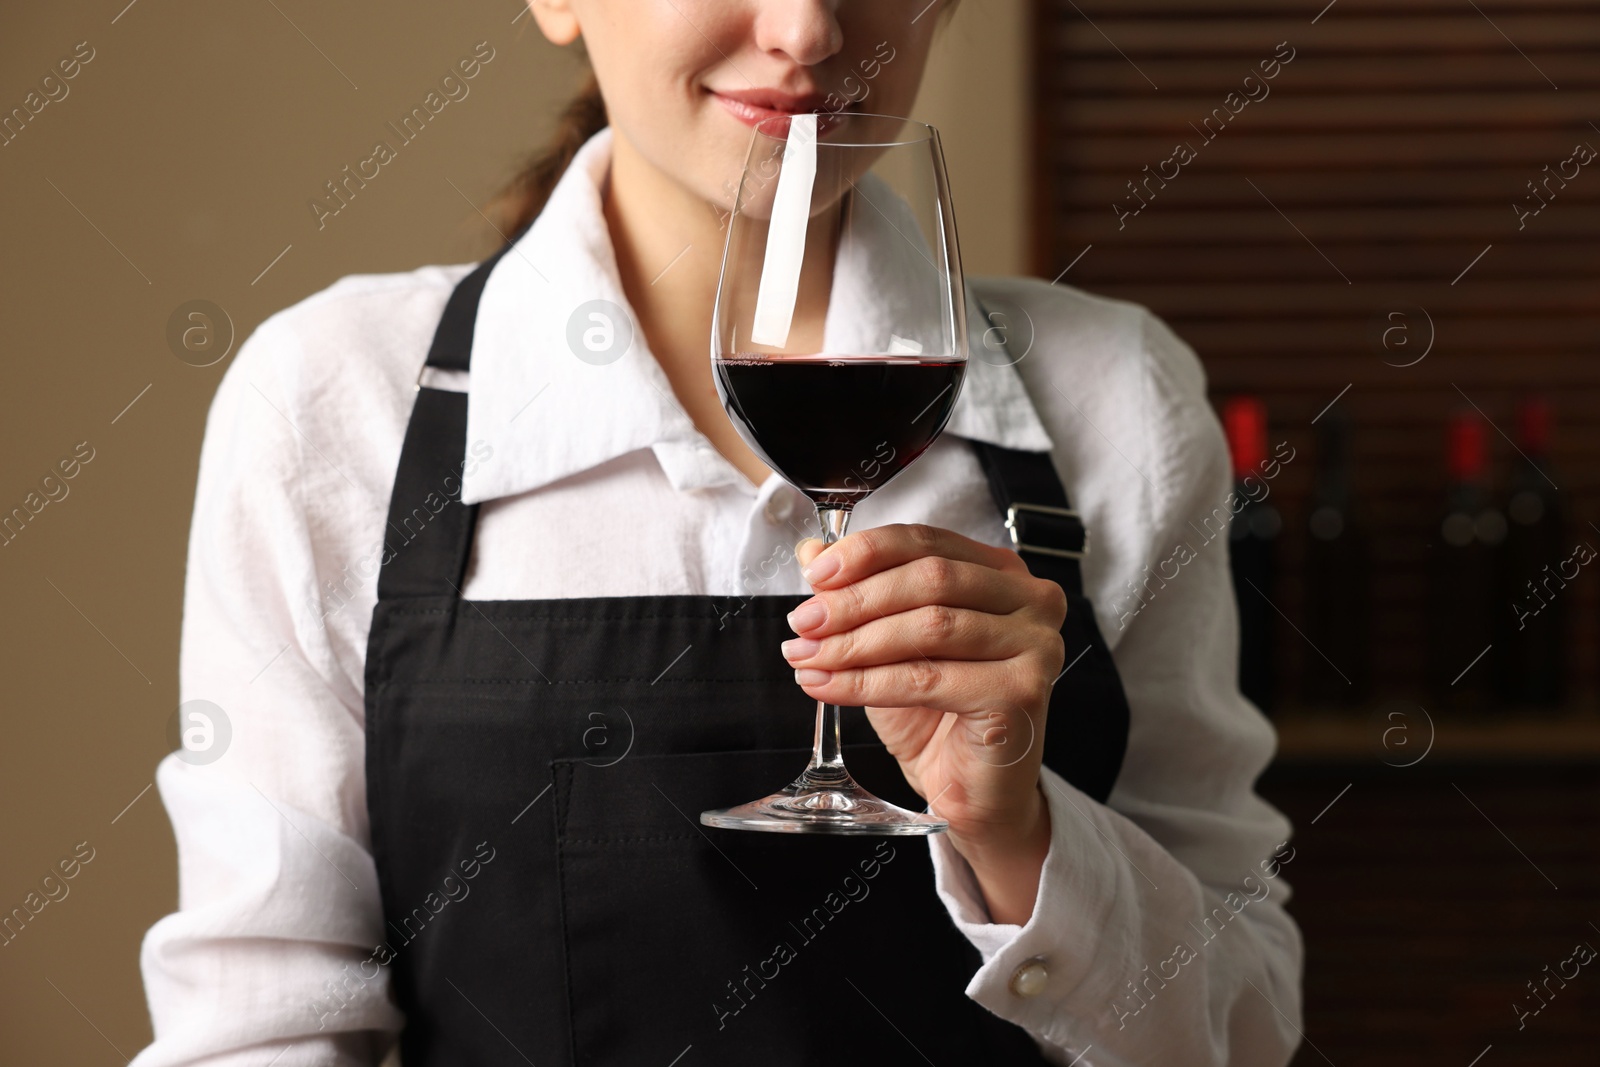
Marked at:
<point>177,168</point>
<point>976,91</point>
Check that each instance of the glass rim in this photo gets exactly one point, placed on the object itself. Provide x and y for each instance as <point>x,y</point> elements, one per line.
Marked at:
<point>931,133</point>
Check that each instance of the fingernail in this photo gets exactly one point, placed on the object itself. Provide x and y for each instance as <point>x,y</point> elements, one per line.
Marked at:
<point>810,676</point>
<point>822,568</point>
<point>809,615</point>
<point>800,648</point>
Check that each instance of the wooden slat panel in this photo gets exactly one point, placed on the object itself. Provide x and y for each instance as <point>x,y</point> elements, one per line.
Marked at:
<point>1219,187</point>
<point>1290,151</point>
<point>1397,141</point>
<point>1546,336</point>
<point>1337,225</point>
<point>1427,262</point>
<point>1235,9</point>
<point>1317,73</point>
<point>1203,300</point>
<point>1362,112</point>
<point>1458,29</point>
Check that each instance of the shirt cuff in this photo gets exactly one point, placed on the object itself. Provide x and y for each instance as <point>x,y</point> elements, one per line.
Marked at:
<point>1077,890</point>
<point>957,886</point>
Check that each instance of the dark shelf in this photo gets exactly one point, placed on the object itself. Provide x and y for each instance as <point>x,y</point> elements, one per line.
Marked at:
<point>1359,735</point>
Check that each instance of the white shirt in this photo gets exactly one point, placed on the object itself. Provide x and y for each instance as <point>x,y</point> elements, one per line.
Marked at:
<point>594,482</point>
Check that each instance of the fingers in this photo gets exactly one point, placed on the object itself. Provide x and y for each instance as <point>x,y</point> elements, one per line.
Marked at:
<point>961,686</point>
<point>930,580</point>
<point>883,547</point>
<point>931,631</point>
<point>806,550</point>
<point>916,616</point>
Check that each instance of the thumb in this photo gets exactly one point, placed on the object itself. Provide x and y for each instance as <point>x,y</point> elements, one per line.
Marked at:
<point>807,549</point>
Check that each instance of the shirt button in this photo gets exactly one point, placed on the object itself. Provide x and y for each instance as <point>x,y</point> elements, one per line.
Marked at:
<point>1029,979</point>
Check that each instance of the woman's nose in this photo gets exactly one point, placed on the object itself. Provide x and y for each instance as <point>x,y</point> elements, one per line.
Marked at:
<point>806,31</point>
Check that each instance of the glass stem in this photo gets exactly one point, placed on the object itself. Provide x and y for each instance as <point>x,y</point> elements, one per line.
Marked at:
<point>827,760</point>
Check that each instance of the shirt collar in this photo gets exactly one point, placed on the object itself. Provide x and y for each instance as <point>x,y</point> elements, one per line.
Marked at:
<point>547,413</point>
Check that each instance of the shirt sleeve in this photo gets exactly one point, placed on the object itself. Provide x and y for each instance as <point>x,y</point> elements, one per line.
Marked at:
<point>1159,923</point>
<point>268,959</point>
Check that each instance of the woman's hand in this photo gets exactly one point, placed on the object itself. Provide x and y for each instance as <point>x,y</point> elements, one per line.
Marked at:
<point>952,646</point>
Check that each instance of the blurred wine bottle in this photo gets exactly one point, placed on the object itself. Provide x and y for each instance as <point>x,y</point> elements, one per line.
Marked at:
<point>1462,584</point>
<point>1337,577</point>
<point>1252,548</point>
<point>1530,614</point>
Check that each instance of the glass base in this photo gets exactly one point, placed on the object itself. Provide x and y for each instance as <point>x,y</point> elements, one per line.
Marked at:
<point>815,805</point>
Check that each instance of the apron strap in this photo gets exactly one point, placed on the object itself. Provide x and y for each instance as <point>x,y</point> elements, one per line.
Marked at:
<point>1048,533</point>
<point>452,341</point>
<point>428,538</point>
<point>1089,715</point>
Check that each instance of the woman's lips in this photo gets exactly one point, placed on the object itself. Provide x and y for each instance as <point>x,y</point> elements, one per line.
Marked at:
<point>751,114</point>
<point>753,106</point>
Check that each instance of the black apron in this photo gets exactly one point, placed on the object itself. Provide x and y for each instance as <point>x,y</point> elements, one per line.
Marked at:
<point>535,775</point>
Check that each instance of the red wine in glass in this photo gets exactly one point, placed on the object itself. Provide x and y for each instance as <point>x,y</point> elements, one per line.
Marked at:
<point>839,428</point>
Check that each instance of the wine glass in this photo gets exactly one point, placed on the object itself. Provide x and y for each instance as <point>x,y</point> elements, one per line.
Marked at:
<point>839,344</point>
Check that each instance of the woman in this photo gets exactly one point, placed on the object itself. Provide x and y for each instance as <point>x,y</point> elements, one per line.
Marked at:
<point>488,637</point>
